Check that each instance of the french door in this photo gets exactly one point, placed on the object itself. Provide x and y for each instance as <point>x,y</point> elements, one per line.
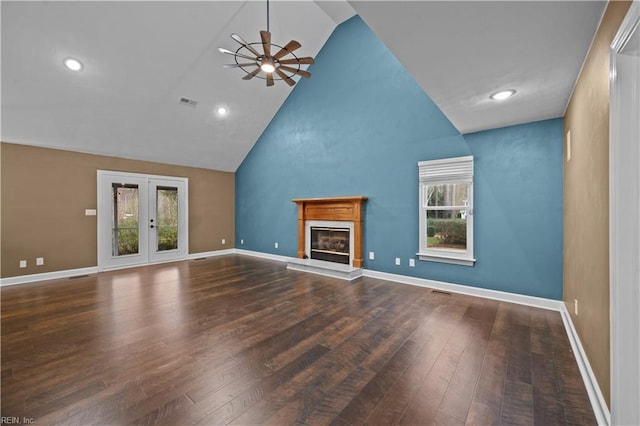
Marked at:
<point>141,219</point>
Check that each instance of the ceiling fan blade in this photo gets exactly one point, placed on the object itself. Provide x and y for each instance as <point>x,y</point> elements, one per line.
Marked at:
<point>251,74</point>
<point>265,36</point>
<point>290,47</point>
<point>269,79</point>
<point>228,52</point>
<point>240,40</point>
<point>306,60</point>
<point>302,73</point>
<point>239,65</point>
<point>285,77</point>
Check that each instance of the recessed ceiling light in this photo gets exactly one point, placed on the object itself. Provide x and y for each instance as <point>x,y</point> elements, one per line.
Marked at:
<point>502,95</point>
<point>222,111</point>
<point>72,64</point>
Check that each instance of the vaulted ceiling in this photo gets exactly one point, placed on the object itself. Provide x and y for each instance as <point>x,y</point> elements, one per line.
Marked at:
<point>140,58</point>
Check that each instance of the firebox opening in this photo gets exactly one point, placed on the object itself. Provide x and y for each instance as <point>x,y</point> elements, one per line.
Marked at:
<point>330,244</point>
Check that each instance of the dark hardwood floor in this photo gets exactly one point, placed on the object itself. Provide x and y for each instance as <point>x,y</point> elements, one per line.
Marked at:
<point>244,341</point>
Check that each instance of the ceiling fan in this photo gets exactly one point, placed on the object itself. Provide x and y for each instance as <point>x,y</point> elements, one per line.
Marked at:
<point>284,63</point>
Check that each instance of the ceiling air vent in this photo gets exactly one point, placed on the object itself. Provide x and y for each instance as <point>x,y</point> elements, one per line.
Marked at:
<point>187,101</point>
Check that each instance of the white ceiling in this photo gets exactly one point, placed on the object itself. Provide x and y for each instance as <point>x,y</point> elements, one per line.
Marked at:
<point>462,52</point>
<point>141,57</point>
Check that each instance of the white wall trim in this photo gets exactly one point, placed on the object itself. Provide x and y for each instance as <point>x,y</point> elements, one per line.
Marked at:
<point>446,259</point>
<point>24,279</point>
<point>503,296</point>
<point>598,403</point>
<point>537,302</point>
<point>262,255</point>
<point>624,227</point>
<point>214,253</point>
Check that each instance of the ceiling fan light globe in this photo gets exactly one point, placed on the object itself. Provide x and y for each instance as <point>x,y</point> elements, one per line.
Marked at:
<point>267,67</point>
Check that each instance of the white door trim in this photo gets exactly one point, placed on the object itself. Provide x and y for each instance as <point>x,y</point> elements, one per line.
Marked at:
<point>102,236</point>
<point>624,226</point>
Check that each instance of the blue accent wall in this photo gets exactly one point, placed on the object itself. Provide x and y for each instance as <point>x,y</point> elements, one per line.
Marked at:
<point>359,126</point>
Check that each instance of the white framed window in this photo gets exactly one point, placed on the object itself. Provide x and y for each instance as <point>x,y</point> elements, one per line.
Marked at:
<point>446,210</point>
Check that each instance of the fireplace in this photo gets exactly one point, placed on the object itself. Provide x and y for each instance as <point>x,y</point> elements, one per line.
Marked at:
<point>339,224</point>
<point>330,237</point>
<point>330,244</point>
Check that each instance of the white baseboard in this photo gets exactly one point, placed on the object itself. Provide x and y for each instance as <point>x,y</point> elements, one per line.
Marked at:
<point>211,253</point>
<point>538,302</point>
<point>262,255</point>
<point>23,279</point>
<point>598,403</point>
<point>403,279</point>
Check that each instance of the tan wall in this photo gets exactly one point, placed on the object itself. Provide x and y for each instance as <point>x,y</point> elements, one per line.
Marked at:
<point>46,191</point>
<point>586,199</point>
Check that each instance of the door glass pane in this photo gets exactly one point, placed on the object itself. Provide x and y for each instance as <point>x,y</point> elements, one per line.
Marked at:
<point>447,229</point>
<point>124,219</point>
<point>167,218</point>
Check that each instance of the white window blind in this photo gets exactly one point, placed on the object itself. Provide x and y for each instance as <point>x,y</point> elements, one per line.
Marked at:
<point>446,170</point>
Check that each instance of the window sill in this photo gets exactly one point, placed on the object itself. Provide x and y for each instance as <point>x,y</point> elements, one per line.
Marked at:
<point>447,259</point>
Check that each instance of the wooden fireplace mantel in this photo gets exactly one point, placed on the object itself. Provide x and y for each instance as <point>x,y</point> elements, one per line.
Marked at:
<point>348,209</point>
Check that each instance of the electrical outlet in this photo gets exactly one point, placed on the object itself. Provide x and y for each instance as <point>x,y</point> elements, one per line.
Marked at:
<point>23,263</point>
<point>276,245</point>
<point>575,306</point>
<point>39,261</point>
<point>241,241</point>
<point>224,241</point>
<point>397,261</point>
<point>412,262</point>
<point>372,256</point>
